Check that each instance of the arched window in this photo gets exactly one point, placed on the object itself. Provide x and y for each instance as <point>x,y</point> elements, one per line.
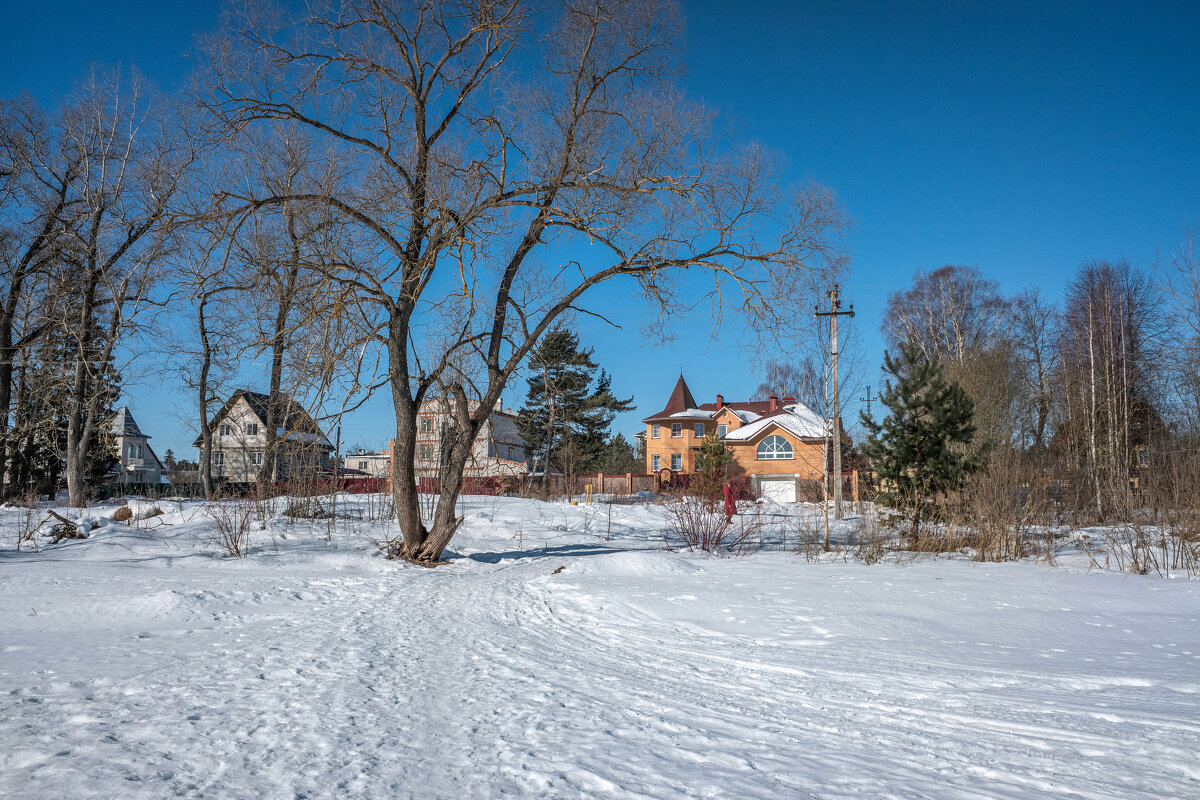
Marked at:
<point>774,447</point>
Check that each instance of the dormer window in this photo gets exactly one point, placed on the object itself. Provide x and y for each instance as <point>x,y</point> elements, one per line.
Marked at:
<point>722,430</point>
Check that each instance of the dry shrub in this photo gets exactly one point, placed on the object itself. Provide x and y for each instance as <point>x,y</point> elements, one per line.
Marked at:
<point>876,535</point>
<point>997,516</point>
<point>810,490</point>
<point>149,513</point>
<point>232,518</point>
<point>698,524</point>
<point>307,507</point>
<point>123,514</point>
<point>1159,531</point>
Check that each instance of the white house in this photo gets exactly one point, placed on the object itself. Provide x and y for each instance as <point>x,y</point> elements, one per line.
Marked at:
<point>240,439</point>
<point>137,461</point>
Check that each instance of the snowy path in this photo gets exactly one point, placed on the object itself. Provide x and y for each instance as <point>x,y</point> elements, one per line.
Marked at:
<point>632,673</point>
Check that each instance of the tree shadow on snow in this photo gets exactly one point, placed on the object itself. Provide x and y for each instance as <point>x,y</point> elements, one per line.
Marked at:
<point>564,550</point>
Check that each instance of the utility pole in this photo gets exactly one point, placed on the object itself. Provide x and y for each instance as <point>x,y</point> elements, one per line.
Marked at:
<point>867,400</point>
<point>835,311</point>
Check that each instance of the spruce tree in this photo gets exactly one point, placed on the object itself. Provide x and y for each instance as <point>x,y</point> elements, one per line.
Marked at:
<point>712,461</point>
<point>561,404</point>
<point>921,449</point>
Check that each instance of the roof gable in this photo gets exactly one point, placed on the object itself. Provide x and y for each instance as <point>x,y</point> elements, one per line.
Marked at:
<point>797,420</point>
<point>296,421</point>
<point>124,424</point>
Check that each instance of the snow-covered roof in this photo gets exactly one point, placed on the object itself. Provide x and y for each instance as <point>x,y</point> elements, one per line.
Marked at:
<point>797,419</point>
<point>692,413</point>
<point>744,416</point>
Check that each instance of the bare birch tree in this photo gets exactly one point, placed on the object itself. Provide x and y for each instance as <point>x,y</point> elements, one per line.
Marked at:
<point>133,149</point>
<point>501,163</point>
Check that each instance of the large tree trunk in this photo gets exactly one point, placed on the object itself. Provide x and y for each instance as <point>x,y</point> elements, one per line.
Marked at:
<point>206,356</point>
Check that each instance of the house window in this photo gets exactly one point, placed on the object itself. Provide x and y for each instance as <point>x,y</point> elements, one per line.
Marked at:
<point>426,425</point>
<point>225,429</point>
<point>699,430</point>
<point>256,459</point>
<point>676,430</point>
<point>773,448</point>
<point>654,462</point>
<point>654,432</point>
<point>676,461</point>
<point>218,459</point>
<point>1143,456</point>
<point>252,429</point>
<point>722,430</point>
<point>362,465</point>
<point>425,452</point>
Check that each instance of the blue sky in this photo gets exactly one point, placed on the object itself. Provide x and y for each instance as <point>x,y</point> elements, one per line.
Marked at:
<point>1020,138</point>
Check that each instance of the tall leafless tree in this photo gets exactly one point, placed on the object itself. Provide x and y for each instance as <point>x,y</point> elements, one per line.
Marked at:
<point>502,163</point>
<point>133,149</point>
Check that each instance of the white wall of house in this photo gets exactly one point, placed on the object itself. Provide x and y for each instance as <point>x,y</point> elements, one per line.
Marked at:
<point>138,462</point>
<point>240,441</point>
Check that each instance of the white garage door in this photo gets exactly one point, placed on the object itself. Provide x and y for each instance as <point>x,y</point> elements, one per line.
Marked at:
<point>780,489</point>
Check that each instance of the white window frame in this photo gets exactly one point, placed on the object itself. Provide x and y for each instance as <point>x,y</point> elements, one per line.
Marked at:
<point>251,428</point>
<point>772,449</point>
<point>426,425</point>
<point>698,430</point>
<point>654,433</point>
<point>362,465</point>
<point>224,429</point>
<point>655,460</point>
<point>256,458</point>
<point>676,461</point>
<point>218,458</point>
<point>722,430</point>
<point>426,452</point>
<point>676,430</point>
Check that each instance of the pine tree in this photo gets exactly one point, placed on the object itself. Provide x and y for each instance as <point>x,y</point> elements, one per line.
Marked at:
<point>921,449</point>
<point>561,404</point>
<point>620,456</point>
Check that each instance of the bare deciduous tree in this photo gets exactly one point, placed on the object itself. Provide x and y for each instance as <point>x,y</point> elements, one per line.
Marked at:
<point>501,163</point>
<point>133,149</point>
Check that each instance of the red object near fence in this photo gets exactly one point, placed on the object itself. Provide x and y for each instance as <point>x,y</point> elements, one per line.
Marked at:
<point>730,505</point>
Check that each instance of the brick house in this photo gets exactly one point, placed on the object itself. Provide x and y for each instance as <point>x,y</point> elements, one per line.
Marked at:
<point>497,456</point>
<point>774,442</point>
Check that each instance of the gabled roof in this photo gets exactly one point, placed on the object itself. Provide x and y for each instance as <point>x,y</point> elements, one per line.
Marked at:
<point>298,425</point>
<point>124,424</point>
<point>796,418</point>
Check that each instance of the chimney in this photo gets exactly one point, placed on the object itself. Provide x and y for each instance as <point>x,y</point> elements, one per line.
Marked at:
<point>720,402</point>
<point>774,404</point>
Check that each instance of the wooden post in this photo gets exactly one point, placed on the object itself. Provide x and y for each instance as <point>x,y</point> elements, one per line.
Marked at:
<point>854,484</point>
<point>629,482</point>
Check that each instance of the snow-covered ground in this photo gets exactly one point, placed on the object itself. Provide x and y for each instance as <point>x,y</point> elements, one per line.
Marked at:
<point>140,663</point>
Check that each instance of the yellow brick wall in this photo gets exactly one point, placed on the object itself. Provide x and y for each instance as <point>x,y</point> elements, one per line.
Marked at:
<point>806,461</point>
